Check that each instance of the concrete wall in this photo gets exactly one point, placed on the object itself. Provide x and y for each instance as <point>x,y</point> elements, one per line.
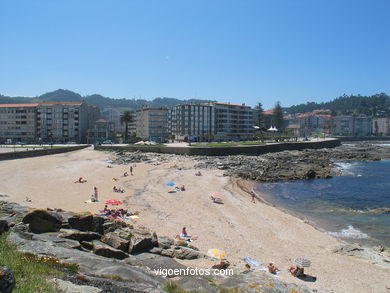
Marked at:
<point>37,153</point>
<point>231,150</point>
<point>363,138</point>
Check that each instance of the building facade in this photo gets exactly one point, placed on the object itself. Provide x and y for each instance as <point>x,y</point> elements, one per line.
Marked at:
<point>380,126</point>
<point>352,126</point>
<point>101,130</point>
<point>152,124</point>
<point>18,123</point>
<point>191,121</point>
<point>62,122</point>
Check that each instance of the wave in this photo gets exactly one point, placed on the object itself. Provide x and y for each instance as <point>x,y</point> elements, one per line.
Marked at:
<point>350,232</point>
<point>346,168</point>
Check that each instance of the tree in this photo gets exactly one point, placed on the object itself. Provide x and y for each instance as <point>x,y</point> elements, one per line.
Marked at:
<point>278,116</point>
<point>126,118</point>
<point>260,115</point>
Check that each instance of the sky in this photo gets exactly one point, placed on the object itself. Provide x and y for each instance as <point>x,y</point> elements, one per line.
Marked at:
<point>243,51</point>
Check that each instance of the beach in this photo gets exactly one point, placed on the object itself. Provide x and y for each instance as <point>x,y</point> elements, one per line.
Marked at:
<point>239,227</point>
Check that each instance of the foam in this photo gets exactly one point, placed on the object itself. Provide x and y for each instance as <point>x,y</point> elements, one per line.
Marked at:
<point>350,232</point>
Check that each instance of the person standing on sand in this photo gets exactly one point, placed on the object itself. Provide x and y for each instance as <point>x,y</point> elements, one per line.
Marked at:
<point>95,193</point>
<point>131,170</point>
<point>253,197</point>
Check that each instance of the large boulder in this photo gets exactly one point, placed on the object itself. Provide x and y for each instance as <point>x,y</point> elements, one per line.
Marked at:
<point>7,280</point>
<point>116,241</point>
<point>41,221</point>
<point>82,221</point>
<point>102,249</point>
<point>79,235</point>
<point>66,286</point>
<point>186,253</point>
<point>165,243</point>
<point>140,241</point>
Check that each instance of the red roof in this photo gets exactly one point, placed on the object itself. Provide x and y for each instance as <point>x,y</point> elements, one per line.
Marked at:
<point>17,105</point>
<point>268,112</point>
<point>61,103</point>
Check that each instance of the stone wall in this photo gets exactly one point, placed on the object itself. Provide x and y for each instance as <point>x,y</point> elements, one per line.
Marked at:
<point>229,150</point>
<point>41,152</point>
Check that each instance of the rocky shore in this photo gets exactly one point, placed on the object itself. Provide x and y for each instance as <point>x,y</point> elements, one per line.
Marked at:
<point>281,166</point>
<point>116,257</point>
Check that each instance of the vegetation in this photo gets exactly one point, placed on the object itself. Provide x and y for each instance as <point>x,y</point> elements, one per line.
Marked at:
<point>97,100</point>
<point>31,272</point>
<point>278,116</point>
<point>223,144</point>
<point>373,106</point>
<point>126,118</point>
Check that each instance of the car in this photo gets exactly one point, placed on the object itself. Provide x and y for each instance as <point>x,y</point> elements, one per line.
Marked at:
<point>20,143</point>
<point>107,142</point>
<point>71,142</point>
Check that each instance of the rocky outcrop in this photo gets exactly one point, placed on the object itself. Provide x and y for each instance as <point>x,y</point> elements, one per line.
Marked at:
<point>7,280</point>
<point>105,250</point>
<point>41,221</point>
<point>79,235</point>
<point>140,241</point>
<point>82,221</point>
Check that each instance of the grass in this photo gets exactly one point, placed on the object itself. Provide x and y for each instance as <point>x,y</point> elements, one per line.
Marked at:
<point>31,272</point>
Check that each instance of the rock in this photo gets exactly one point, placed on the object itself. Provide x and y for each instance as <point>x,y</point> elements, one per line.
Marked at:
<point>186,253</point>
<point>102,249</point>
<point>7,280</point>
<point>154,261</point>
<point>196,284</point>
<point>82,221</point>
<point>109,226</point>
<point>165,243</point>
<point>154,239</point>
<point>115,241</point>
<point>41,221</point>
<point>87,245</point>
<point>140,241</point>
<point>167,252</point>
<point>69,287</point>
<point>156,250</point>
<point>3,226</point>
<point>98,223</point>
<point>79,235</point>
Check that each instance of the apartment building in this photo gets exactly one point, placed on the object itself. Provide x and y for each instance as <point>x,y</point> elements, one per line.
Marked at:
<point>101,130</point>
<point>62,121</point>
<point>381,126</point>
<point>232,120</point>
<point>152,124</point>
<point>191,121</point>
<point>352,126</point>
<point>18,123</point>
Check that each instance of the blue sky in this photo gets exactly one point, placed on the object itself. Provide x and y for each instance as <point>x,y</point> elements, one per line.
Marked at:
<point>242,51</point>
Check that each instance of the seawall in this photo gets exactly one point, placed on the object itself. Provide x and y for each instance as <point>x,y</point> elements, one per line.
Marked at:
<point>229,150</point>
<point>37,153</point>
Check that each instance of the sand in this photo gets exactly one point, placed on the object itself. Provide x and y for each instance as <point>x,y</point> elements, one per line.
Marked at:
<point>239,227</point>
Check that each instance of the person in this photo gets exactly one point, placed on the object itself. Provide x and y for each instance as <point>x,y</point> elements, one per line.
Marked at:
<point>115,189</point>
<point>105,209</point>
<point>184,232</point>
<point>182,188</point>
<point>297,271</point>
<point>198,174</point>
<point>253,197</point>
<point>28,199</point>
<point>109,166</point>
<point>125,174</point>
<point>95,193</point>
<point>131,170</point>
<point>81,180</point>
<point>272,269</point>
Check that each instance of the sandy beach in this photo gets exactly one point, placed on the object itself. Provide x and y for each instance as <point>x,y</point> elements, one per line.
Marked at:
<point>239,227</point>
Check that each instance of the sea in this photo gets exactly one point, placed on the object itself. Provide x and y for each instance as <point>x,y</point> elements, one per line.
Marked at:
<point>350,207</point>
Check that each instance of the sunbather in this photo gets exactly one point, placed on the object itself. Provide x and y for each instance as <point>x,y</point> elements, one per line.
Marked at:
<point>297,271</point>
<point>272,269</point>
<point>198,174</point>
<point>82,180</point>
<point>125,174</point>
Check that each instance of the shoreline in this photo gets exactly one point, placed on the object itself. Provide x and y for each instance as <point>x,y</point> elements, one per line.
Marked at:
<point>241,228</point>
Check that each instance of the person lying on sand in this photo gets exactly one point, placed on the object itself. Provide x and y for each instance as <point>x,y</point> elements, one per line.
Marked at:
<point>125,174</point>
<point>198,174</point>
<point>115,179</point>
<point>28,199</point>
<point>272,269</point>
<point>109,166</point>
<point>224,264</point>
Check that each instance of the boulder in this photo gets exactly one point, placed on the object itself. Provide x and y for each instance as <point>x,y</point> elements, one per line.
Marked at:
<point>82,221</point>
<point>140,241</point>
<point>102,249</point>
<point>66,286</point>
<point>98,223</point>
<point>41,221</point>
<point>109,226</point>
<point>79,235</point>
<point>165,243</point>
<point>115,241</point>
<point>186,253</point>
<point>167,252</point>
<point>3,226</point>
<point>7,280</point>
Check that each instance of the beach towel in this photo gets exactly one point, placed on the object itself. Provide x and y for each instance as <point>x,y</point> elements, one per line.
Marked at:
<point>134,217</point>
<point>251,261</point>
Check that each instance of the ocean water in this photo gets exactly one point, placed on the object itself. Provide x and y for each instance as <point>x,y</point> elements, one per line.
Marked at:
<point>349,207</point>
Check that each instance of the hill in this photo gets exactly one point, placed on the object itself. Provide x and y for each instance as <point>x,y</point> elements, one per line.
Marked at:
<point>97,100</point>
<point>375,106</point>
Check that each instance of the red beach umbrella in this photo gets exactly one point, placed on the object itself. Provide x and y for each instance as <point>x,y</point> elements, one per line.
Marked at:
<point>216,193</point>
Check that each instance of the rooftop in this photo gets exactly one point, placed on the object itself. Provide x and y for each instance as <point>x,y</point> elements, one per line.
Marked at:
<point>17,105</point>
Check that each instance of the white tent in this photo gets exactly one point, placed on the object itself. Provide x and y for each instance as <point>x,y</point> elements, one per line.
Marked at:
<point>272,128</point>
